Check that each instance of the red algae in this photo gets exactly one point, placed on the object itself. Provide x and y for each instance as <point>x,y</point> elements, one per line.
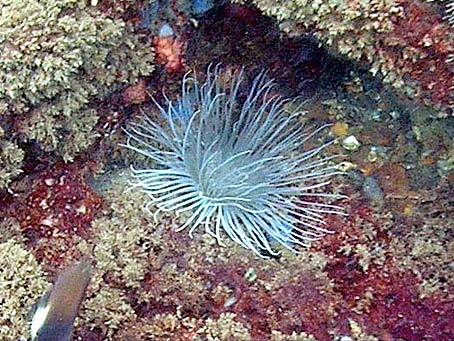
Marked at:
<point>59,206</point>
<point>300,304</point>
<point>304,305</point>
<point>419,45</point>
<point>249,301</point>
<point>59,200</point>
<point>384,299</point>
<point>395,307</point>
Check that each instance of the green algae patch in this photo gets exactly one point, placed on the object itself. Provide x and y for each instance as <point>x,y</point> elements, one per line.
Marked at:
<point>22,282</point>
<point>11,158</point>
<point>56,59</point>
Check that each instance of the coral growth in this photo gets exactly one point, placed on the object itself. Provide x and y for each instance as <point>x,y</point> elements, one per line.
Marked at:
<point>56,58</point>
<point>187,289</point>
<point>116,8</point>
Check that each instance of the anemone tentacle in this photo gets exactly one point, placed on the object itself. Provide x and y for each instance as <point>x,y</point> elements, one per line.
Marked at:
<point>238,167</point>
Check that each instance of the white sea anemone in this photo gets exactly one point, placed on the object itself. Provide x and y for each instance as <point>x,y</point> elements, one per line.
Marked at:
<point>238,167</point>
